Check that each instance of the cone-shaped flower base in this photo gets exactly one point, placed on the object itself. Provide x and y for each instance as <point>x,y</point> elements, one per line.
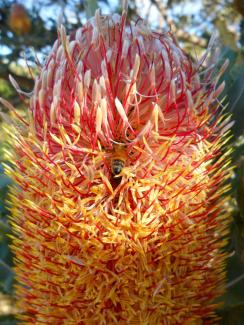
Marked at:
<point>118,211</point>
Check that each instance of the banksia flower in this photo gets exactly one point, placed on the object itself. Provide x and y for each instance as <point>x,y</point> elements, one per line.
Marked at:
<point>119,212</point>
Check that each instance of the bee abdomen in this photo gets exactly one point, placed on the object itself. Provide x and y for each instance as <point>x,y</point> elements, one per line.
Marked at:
<point>117,166</point>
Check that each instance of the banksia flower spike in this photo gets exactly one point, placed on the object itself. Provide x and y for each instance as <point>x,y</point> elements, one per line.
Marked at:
<point>118,212</point>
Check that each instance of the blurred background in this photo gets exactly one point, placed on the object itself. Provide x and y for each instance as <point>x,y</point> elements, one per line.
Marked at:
<point>27,31</point>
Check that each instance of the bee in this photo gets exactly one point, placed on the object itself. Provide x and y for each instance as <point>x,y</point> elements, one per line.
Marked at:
<point>118,157</point>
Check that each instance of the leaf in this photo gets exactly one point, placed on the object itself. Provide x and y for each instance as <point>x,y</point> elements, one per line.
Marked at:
<point>227,36</point>
<point>238,237</point>
<point>7,320</point>
<point>240,194</point>
<point>4,181</point>
<point>6,272</point>
<point>233,315</point>
<point>90,8</point>
<point>235,95</point>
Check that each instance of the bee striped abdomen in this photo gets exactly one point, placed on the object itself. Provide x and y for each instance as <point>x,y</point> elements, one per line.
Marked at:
<point>117,165</point>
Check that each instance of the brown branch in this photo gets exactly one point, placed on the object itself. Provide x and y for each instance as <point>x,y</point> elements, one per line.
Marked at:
<point>180,34</point>
<point>193,39</point>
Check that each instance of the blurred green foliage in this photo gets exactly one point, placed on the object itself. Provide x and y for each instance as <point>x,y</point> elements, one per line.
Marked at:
<point>193,30</point>
<point>6,258</point>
